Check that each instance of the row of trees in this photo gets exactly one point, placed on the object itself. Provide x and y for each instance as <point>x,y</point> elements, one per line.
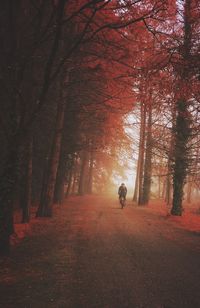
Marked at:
<point>70,71</point>
<point>64,84</point>
<point>169,120</point>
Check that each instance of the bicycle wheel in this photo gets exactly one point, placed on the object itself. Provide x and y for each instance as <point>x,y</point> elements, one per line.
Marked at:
<point>122,202</point>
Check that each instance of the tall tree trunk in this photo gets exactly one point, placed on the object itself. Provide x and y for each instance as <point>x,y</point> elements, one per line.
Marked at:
<point>182,128</point>
<point>46,202</point>
<point>74,176</point>
<point>82,179</point>
<point>168,189</point>
<point>141,151</point>
<point>180,156</point>
<point>168,178</point>
<point>69,186</point>
<point>7,188</point>
<point>71,169</point>
<point>164,188</point>
<point>189,189</point>
<point>60,182</point>
<point>90,176</point>
<point>135,194</point>
<point>168,194</point>
<point>73,189</point>
<point>61,174</point>
<point>159,187</point>
<point>148,159</point>
<point>27,183</point>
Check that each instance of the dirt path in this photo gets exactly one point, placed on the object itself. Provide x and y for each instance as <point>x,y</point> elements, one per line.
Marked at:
<point>93,254</point>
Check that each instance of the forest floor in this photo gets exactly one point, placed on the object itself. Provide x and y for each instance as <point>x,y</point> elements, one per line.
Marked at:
<point>94,254</point>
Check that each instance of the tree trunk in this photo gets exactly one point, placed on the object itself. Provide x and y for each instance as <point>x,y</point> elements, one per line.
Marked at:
<point>159,187</point>
<point>168,178</point>
<point>90,176</point>
<point>164,188</point>
<point>148,160</point>
<point>141,151</point>
<point>46,202</point>
<point>69,186</point>
<point>168,194</point>
<point>27,183</point>
<point>61,176</point>
<point>180,156</point>
<point>168,189</point>
<point>182,128</point>
<point>7,188</point>
<point>74,176</point>
<point>60,183</point>
<point>71,169</point>
<point>82,179</point>
<point>189,189</point>
<point>135,195</point>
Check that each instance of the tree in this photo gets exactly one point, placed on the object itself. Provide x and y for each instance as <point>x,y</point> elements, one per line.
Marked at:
<point>183,117</point>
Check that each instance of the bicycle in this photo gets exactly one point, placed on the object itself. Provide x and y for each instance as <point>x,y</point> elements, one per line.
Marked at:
<point>122,201</point>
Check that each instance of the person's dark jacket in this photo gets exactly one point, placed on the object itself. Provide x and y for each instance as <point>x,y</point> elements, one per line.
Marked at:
<point>122,191</point>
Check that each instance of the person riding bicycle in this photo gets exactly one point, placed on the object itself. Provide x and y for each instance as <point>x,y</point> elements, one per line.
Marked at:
<point>122,191</point>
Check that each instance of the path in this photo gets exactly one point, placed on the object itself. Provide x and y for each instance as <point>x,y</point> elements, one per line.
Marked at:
<point>93,254</point>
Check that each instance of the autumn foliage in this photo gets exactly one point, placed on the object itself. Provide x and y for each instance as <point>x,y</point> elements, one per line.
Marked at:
<point>71,72</point>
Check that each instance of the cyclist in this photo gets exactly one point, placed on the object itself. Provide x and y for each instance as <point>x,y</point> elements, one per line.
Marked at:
<point>122,191</point>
